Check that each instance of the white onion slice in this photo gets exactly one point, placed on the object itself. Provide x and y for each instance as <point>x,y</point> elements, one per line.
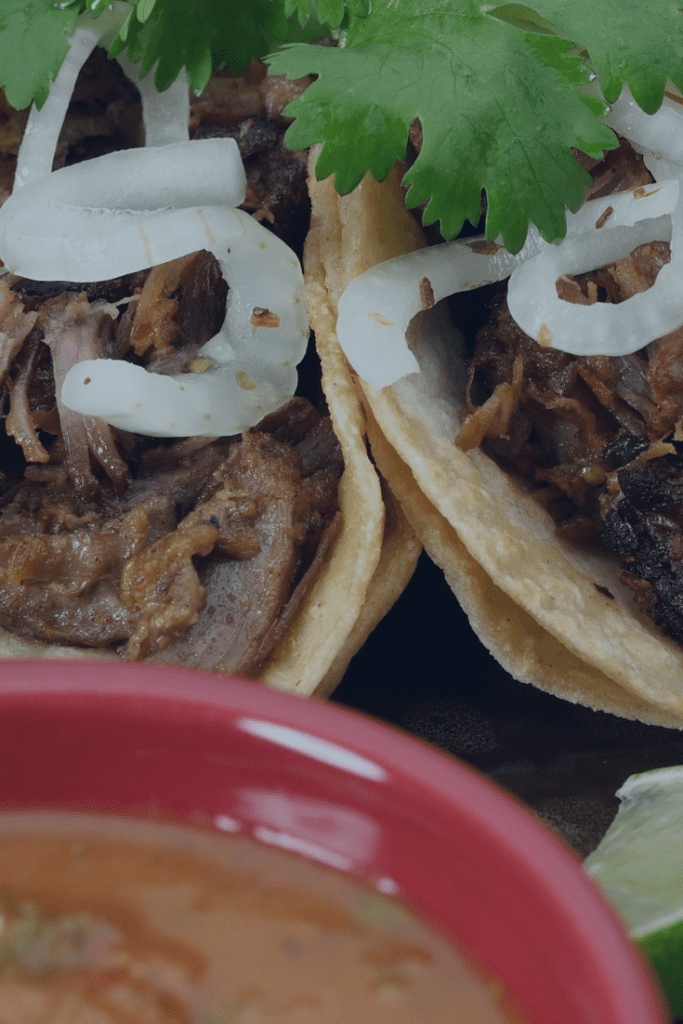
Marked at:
<point>377,306</point>
<point>88,222</point>
<point>603,328</point>
<point>253,368</point>
<point>39,143</point>
<point>131,210</point>
<point>661,132</point>
<point>165,115</point>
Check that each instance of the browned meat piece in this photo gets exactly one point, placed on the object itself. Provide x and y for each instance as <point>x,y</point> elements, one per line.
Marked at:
<point>618,170</point>
<point>594,433</point>
<point>105,113</point>
<point>638,272</point>
<point>253,134</point>
<point>181,306</point>
<point>665,373</point>
<point>493,418</point>
<point>155,568</point>
<point>75,329</point>
<point>15,326</point>
<point>161,587</point>
<point>249,603</point>
<point>277,92</point>
<point>619,280</point>
<point>276,187</point>
<point>12,125</point>
<point>20,423</point>
<point>62,587</point>
<point>558,419</point>
<point>415,135</point>
<point>8,166</point>
<point>645,527</point>
<point>229,99</point>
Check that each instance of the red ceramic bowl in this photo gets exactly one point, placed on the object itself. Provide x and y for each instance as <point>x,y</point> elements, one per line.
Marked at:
<point>337,787</point>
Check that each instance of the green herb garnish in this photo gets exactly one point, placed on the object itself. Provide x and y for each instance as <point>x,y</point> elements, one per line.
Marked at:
<point>497,92</point>
<point>167,35</point>
<point>497,89</point>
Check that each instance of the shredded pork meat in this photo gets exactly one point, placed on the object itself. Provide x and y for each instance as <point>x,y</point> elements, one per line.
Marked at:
<point>600,438</point>
<point>198,551</point>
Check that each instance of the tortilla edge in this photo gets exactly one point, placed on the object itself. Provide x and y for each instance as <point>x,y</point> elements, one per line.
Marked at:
<point>517,642</point>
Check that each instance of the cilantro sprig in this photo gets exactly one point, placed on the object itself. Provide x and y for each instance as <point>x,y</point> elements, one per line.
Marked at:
<point>497,88</point>
<point>33,46</point>
<point>166,35</point>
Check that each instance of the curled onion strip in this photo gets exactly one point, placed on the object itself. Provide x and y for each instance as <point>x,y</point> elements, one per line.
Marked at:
<point>91,221</point>
<point>131,210</point>
<point>603,328</point>
<point>377,306</point>
<point>165,115</point>
<point>39,143</point>
<point>661,133</point>
<point>253,368</point>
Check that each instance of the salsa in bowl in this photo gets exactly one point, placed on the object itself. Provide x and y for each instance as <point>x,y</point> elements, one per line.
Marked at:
<point>334,868</point>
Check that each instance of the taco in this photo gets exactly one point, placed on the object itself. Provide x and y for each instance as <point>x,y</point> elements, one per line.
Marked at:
<point>511,488</point>
<point>251,537</point>
<point>514,460</point>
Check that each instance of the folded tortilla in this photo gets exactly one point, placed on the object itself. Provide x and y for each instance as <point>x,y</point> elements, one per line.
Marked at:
<point>553,615</point>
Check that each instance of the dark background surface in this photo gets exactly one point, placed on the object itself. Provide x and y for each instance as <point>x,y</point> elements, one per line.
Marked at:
<point>424,670</point>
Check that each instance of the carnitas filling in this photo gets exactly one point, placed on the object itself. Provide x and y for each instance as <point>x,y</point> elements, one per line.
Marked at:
<point>601,438</point>
<point>197,551</point>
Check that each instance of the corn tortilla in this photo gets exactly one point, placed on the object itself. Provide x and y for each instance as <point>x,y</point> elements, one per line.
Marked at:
<point>542,607</point>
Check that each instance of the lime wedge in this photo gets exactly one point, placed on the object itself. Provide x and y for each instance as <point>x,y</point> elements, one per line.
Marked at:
<point>639,867</point>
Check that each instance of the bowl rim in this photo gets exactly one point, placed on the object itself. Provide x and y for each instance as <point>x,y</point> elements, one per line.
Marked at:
<point>424,771</point>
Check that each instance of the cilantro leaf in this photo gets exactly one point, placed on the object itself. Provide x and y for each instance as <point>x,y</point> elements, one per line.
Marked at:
<point>328,12</point>
<point>203,35</point>
<point>634,42</point>
<point>499,110</point>
<point>34,46</point>
<point>200,35</point>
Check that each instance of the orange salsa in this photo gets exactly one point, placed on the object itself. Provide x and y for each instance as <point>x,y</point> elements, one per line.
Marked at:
<point>107,920</point>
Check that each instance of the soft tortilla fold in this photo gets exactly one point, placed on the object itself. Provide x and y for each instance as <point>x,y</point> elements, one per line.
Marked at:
<point>369,564</point>
<point>553,615</point>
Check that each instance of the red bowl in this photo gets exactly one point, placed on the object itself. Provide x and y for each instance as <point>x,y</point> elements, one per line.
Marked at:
<point>337,787</point>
